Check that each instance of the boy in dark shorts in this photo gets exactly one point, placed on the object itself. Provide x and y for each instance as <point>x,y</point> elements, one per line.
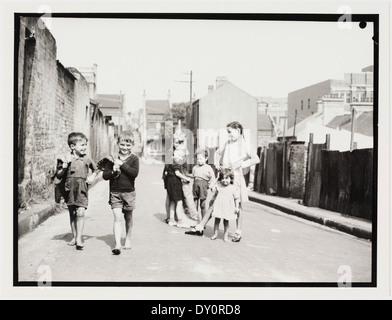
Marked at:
<point>75,167</point>
<point>204,177</point>
<point>122,189</point>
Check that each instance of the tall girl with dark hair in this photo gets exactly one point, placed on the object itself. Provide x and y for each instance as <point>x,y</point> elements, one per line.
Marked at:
<point>236,155</point>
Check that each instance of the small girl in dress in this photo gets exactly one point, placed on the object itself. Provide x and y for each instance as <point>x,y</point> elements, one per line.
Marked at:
<point>226,204</point>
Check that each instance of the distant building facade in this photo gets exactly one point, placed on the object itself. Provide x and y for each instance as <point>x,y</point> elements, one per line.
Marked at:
<point>155,113</point>
<point>112,106</point>
<point>272,119</point>
<point>332,96</point>
<point>210,114</point>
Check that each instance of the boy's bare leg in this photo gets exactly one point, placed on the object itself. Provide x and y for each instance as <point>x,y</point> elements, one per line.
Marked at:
<point>203,207</point>
<point>117,227</point>
<point>128,216</point>
<point>72,219</point>
<point>80,213</point>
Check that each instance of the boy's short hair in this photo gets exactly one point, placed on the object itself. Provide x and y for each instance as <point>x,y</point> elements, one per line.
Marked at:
<point>126,136</point>
<point>74,137</point>
<point>202,151</point>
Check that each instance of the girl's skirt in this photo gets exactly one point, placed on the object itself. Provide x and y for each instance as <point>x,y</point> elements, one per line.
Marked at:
<point>174,188</point>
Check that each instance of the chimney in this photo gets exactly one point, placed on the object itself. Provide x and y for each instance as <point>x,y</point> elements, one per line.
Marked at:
<point>220,81</point>
<point>210,88</point>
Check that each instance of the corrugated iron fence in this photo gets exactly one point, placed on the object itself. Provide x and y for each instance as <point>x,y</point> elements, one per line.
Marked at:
<point>332,180</point>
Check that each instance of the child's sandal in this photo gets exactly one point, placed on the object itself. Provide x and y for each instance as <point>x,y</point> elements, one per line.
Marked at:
<point>237,237</point>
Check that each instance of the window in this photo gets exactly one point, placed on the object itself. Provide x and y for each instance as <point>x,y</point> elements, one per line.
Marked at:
<point>309,103</point>
<point>302,105</point>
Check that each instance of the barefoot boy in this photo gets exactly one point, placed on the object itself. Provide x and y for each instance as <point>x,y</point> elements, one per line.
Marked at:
<point>122,189</point>
<point>76,167</point>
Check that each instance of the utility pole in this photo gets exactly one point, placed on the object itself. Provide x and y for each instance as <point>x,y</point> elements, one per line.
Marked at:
<point>188,110</point>
<point>353,120</point>
<point>190,98</point>
<point>295,122</point>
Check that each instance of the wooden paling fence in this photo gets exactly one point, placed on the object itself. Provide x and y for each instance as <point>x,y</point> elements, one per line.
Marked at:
<point>336,181</point>
<point>347,182</point>
<point>314,172</point>
<point>272,174</point>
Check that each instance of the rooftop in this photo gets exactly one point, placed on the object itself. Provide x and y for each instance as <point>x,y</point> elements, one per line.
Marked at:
<point>157,106</point>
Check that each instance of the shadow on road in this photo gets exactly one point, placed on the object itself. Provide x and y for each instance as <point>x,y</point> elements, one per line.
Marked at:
<point>160,216</point>
<point>108,239</point>
<point>67,237</point>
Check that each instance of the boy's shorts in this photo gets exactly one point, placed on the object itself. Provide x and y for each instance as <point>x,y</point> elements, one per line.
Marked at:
<point>123,200</point>
<point>200,189</point>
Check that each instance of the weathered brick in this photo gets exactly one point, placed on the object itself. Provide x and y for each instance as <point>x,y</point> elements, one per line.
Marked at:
<point>51,104</point>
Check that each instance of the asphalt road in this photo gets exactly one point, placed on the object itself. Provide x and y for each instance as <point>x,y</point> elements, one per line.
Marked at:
<point>276,248</point>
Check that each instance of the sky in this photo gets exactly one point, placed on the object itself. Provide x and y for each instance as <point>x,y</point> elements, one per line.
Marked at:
<point>263,58</point>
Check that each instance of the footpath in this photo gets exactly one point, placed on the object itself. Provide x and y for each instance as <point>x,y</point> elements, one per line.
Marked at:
<point>28,220</point>
<point>358,227</point>
<point>36,214</point>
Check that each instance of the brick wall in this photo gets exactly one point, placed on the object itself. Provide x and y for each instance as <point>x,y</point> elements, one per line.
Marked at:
<point>52,102</point>
<point>297,169</point>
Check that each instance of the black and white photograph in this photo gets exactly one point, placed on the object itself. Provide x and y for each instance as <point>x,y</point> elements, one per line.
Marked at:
<point>130,127</point>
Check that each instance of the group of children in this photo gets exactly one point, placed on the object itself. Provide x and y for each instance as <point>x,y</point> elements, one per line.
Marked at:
<point>185,191</point>
<point>224,196</point>
<point>72,180</point>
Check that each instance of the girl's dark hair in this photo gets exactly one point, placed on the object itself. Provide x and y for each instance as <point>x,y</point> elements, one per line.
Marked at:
<point>235,125</point>
<point>226,173</point>
<point>74,137</point>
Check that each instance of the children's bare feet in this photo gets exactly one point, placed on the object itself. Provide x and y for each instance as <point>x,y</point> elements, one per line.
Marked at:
<point>172,223</point>
<point>72,242</point>
<point>127,245</point>
<point>226,239</point>
<point>214,237</point>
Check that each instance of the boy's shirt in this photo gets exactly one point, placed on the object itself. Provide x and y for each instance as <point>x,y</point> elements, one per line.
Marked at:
<point>204,172</point>
<point>125,181</point>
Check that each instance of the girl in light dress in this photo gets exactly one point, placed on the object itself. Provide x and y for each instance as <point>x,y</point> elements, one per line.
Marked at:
<point>237,155</point>
<point>226,204</point>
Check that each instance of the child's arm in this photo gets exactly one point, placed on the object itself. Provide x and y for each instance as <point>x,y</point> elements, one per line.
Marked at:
<point>93,166</point>
<point>236,195</point>
<point>211,181</point>
<point>182,176</point>
<point>253,159</point>
<point>215,191</point>
<point>237,206</point>
<point>130,170</point>
<point>164,173</point>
